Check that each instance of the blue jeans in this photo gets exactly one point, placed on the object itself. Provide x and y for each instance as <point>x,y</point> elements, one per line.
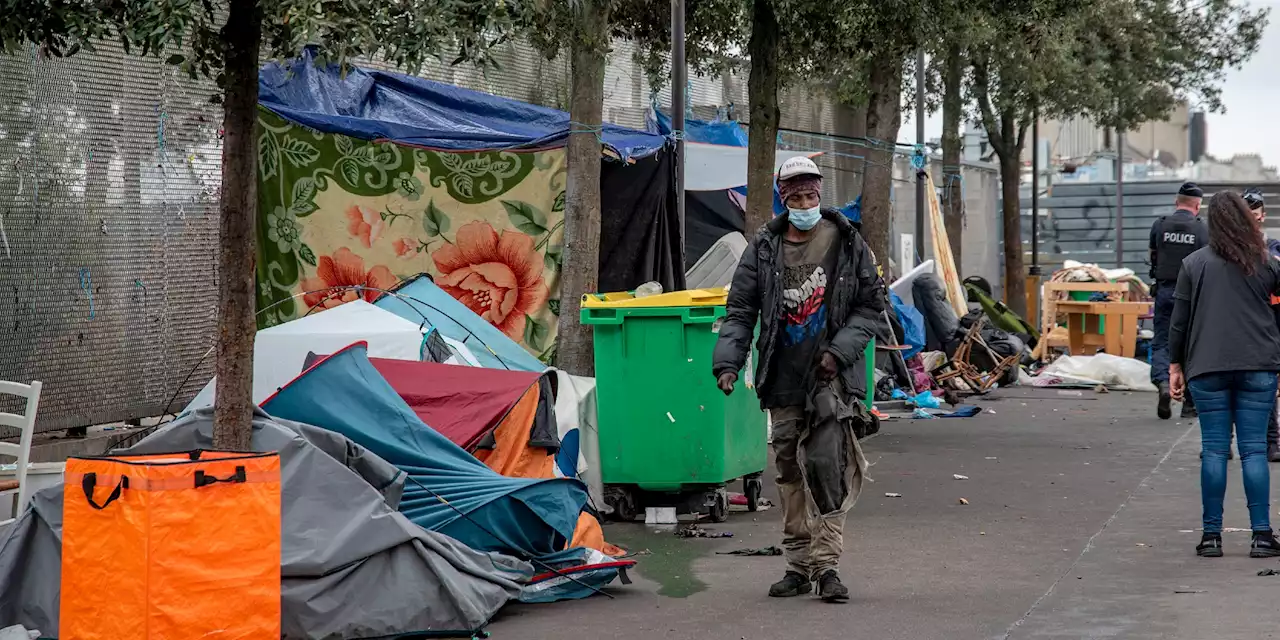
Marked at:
<point>1242,398</point>
<point>1163,312</point>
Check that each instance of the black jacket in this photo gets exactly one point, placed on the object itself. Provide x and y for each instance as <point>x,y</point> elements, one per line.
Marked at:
<point>856,303</point>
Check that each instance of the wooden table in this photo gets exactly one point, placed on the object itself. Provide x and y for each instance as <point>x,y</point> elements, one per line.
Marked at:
<point>1119,335</point>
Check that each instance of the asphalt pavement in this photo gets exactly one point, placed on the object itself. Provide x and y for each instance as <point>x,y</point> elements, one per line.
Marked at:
<point>1081,521</point>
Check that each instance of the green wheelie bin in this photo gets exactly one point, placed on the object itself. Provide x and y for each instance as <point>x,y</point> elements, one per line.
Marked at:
<point>668,436</point>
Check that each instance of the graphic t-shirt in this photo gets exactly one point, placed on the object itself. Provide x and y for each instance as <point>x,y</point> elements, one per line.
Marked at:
<point>808,272</point>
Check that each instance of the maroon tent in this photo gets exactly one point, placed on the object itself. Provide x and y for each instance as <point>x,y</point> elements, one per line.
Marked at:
<point>466,404</point>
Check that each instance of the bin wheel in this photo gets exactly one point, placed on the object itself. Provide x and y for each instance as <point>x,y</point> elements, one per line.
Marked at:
<point>752,488</point>
<point>624,506</point>
<point>719,509</point>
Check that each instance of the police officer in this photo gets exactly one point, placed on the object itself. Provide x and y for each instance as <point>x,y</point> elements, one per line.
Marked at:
<point>1173,237</point>
<point>1258,205</point>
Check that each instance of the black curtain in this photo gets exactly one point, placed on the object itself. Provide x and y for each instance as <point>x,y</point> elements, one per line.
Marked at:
<point>639,228</point>
<point>708,216</point>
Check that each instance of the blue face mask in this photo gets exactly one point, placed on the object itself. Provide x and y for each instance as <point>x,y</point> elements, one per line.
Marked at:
<point>805,219</point>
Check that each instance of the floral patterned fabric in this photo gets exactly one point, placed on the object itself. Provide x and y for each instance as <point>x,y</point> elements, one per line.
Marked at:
<point>336,211</point>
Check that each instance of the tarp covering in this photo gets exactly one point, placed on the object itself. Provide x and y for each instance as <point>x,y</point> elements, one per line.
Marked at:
<point>639,227</point>
<point>521,517</point>
<point>374,105</point>
<point>722,132</point>
<point>419,300</point>
<point>351,565</point>
<point>280,351</point>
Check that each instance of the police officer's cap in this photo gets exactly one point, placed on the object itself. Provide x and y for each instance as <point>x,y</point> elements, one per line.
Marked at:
<point>1190,189</point>
<point>1253,196</point>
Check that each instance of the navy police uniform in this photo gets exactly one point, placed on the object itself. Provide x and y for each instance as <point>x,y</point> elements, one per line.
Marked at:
<point>1173,237</point>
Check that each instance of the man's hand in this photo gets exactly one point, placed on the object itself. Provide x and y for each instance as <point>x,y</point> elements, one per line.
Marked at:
<point>827,367</point>
<point>1177,385</point>
<point>726,382</point>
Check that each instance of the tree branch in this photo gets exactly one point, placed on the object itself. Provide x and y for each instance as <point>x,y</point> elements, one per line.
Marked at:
<point>981,90</point>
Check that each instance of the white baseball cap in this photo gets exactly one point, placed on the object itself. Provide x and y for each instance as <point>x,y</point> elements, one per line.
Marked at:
<point>798,166</point>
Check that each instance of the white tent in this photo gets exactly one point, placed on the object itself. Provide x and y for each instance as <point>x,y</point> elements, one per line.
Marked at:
<point>279,351</point>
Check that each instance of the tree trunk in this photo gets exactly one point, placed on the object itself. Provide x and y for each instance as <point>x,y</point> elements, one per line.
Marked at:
<point>574,351</point>
<point>952,146</point>
<point>233,411</point>
<point>1015,284</point>
<point>884,117</point>
<point>762,94</point>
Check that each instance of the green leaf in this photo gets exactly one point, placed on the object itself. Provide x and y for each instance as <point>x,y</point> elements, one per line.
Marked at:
<point>558,205</point>
<point>267,155</point>
<point>434,221</point>
<point>304,193</point>
<point>350,171</point>
<point>342,144</point>
<point>176,59</point>
<point>525,217</point>
<point>554,258</point>
<point>299,153</point>
<point>363,155</point>
<point>308,256</point>
<point>535,333</point>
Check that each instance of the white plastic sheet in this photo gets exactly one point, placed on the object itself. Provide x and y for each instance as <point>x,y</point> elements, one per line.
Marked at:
<point>1103,368</point>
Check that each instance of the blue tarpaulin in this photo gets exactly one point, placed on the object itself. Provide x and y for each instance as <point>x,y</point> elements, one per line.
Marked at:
<point>521,517</point>
<point>912,322</point>
<point>376,105</point>
<point>853,210</point>
<point>725,132</point>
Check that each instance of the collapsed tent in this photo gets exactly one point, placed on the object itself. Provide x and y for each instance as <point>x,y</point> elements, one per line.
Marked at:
<point>507,419</point>
<point>449,490</point>
<point>351,565</point>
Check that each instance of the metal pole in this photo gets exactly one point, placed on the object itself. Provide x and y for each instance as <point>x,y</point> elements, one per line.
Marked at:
<point>678,82</point>
<point>1120,199</point>
<point>920,184</point>
<point>1035,194</point>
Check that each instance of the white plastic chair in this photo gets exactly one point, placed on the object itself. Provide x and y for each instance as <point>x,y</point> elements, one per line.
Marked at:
<point>26,424</point>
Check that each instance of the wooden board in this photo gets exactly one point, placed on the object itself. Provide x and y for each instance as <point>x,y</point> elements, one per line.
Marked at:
<point>942,252</point>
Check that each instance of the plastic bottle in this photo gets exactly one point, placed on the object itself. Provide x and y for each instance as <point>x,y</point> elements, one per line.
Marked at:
<point>647,289</point>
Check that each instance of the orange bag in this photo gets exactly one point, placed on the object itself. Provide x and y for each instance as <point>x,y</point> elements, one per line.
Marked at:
<point>171,546</point>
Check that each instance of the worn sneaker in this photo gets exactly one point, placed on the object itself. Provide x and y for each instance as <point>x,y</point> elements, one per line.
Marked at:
<point>1210,546</point>
<point>1189,411</point>
<point>1264,545</point>
<point>791,585</point>
<point>830,589</point>
<point>1163,410</point>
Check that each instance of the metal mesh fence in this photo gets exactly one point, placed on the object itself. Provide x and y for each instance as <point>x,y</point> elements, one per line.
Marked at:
<point>108,199</point>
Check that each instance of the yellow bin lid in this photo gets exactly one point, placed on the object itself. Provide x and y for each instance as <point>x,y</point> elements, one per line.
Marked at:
<point>625,299</point>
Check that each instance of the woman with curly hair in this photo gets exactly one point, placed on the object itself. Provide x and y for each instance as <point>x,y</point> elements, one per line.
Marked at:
<point>1224,348</point>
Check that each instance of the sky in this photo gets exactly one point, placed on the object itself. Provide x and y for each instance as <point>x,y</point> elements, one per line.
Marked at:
<point>1250,95</point>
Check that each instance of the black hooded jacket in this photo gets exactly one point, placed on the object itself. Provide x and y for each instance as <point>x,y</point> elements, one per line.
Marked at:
<point>856,302</point>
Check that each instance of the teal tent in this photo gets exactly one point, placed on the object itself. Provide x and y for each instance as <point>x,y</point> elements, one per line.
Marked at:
<point>449,490</point>
<point>419,300</point>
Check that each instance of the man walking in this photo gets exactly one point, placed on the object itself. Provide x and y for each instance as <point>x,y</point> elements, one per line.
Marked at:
<point>812,282</point>
<point>1173,237</point>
